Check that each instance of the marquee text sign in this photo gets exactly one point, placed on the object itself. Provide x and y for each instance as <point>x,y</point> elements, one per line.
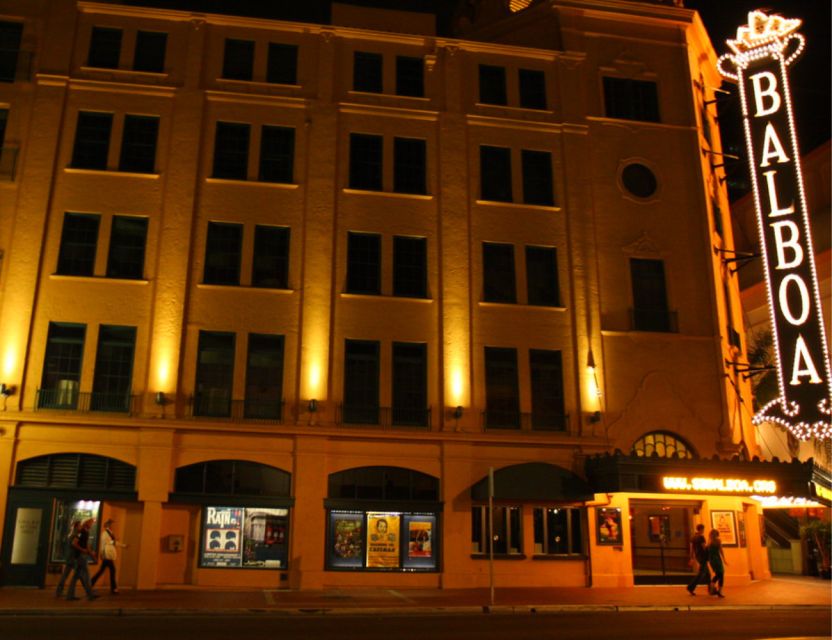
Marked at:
<point>719,485</point>
<point>762,53</point>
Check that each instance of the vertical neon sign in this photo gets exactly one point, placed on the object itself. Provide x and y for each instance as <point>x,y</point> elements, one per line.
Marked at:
<point>762,53</point>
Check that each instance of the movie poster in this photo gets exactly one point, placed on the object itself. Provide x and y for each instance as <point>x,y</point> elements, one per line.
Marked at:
<point>222,544</point>
<point>421,540</point>
<point>347,540</point>
<point>383,540</point>
<point>265,538</point>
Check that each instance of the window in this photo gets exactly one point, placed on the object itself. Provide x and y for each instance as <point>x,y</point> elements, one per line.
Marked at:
<point>537,177</point>
<point>410,267</point>
<point>79,239</point>
<point>231,151</point>
<point>105,48</point>
<point>10,36</point>
<point>214,374</point>
<point>410,76</point>
<point>277,154</point>
<point>364,263</point>
<point>244,537</point>
<point>92,140</point>
<point>264,377</point>
<point>282,64</point>
<point>548,411</point>
<point>631,99</point>
<point>650,312</point>
<point>495,173</point>
<point>62,366</point>
<point>365,161</point>
<point>409,165</point>
<point>542,276</point>
<point>532,89</point>
<point>271,257</point>
<point>506,530</point>
<point>128,238</point>
<point>238,61</point>
<point>361,372</point>
<point>502,395</point>
<point>492,85</point>
<point>138,145</point>
<point>4,118</point>
<point>366,72</point>
<point>223,250</point>
<point>498,272</point>
<point>662,444</point>
<point>639,180</point>
<point>149,54</point>
<point>113,369</point>
<point>557,531</point>
<point>410,392</point>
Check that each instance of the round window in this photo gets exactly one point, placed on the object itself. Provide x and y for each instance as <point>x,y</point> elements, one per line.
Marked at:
<point>639,180</point>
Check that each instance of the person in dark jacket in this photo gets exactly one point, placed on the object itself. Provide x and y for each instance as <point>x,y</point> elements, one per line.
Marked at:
<point>82,552</point>
<point>716,558</point>
<point>69,558</point>
<point>699,555</point>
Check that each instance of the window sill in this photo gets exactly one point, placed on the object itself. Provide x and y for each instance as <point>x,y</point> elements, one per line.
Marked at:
<point>514,305</point>
<point>380,296</point>
<point>390,194</point>
<point>499,556</point>
<point>518,205</point>
<point>559,557</point>
<point>111,172</point>
<point>242,287</point>
<point>271,185</point>
<point>513,108</point>
<point>156,75</point>
<point>66,276</point>
<point>259,84</point>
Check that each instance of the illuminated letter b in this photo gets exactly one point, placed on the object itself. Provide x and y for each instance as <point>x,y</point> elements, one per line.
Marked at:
<point>770,91</point>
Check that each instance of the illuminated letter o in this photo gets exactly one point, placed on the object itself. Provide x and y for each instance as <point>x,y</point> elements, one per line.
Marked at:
<point>804,300</point>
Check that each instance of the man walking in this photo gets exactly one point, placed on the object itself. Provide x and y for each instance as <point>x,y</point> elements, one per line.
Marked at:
<point>699,554</point>
<point>81,551</point>
<point>69,557</point>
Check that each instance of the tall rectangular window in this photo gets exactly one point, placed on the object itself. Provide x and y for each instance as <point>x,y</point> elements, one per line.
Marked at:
<point>149,54</point>
<point>410,262</point>
<point>537,178</point>
<point>4,118</point>
<point>92,140</point>
<point>271,257</point>
<point>557,531</point>
<point>128,239</point>
<point>365,161</point>
<point>79,239</point>
<point>214,374</point>
<point>282,64</point>
<point>505,527</point>
<point>650,309</point>
<point>223,251</point>
<point>10,37</point>
<point>493,85</point>
<point>366,72</point>
<point>138,144</point>
<point>631,99</point>
<point>264,377</point>
<point>542,276</point>
<point>409,160</point>
<point>495,174</point>
<point>62,365</point>
<point>238,59</point>
<point>410,76</point>
<point>546,369</point>
<point>361,373</point>
<point>532,89</point>
<point>231,151</point>
<point>410,386</point>
<point>498,272</point>
<point>105,48</point>
<point>502,393</point>
<point>277,154</point>
<point>113,368</point>
<point>364,263</point>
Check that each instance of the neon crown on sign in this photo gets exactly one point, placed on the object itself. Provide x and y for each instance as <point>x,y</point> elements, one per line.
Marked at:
<point>762,29</point>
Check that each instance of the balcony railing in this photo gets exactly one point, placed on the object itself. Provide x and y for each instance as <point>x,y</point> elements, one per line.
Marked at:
<point>516,421</point>
<point>15,65</point>
<point>385,417</point>
<point>659,320</point>
<point>68,398</point>
<point>8,163</point>
<point>213,406</point>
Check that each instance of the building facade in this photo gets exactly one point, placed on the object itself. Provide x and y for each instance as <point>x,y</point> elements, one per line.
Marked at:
<point>277,296</point>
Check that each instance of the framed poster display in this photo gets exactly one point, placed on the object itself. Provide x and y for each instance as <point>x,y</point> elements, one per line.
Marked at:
<point>608,525</point>
<point>726,523</point>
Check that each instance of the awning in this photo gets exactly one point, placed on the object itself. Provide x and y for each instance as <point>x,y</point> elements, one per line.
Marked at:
<point>534,481</point>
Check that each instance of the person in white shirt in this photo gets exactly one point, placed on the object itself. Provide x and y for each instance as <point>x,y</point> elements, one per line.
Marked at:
<point>109,555</point>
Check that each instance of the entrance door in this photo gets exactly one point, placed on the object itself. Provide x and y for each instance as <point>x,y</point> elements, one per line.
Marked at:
<point>660,534</point>
<point>26,540</point>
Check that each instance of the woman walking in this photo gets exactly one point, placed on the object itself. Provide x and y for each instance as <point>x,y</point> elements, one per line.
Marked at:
<point>108,556</point>
<point>716,558</point>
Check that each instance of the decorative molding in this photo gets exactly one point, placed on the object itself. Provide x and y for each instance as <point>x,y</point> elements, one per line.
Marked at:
<point>644,245</point>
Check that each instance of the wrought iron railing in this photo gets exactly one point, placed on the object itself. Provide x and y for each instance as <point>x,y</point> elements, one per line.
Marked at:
<point>68,398</point>
<point>659,320</point>
<point>214,406</point>
<point>385,417</point>
<point>535,421</point>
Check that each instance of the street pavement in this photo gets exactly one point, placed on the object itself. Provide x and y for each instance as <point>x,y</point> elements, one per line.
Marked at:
<point>779,593</point>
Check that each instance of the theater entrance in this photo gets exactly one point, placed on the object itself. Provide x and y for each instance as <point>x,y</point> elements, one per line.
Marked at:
<point>660,533</point>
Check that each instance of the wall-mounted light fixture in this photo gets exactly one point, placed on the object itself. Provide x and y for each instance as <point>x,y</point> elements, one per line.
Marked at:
<point>313,405</point>
<point>458,413</point>
<point>160,398</point>
<point>6,390</point>
<point>594,417</point>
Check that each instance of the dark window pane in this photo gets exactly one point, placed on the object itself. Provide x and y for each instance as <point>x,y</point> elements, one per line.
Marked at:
<point>532,89</point>
<point>363,263</point>
<point>639,180</point>
<point>542,276</point>
<point>502,396</point>
<point>410,392</point>
<point>650,311</point>
<point>410,267</point>
<point>79,238</point>
<point>128,239</point>
<point>410,76</point>
<point>409,156</point>
<point>238,61</point>
<point>223,250</point>
<point>495,174</point>
<point>113,369</point>
<point>150,49</point>
<point>547,390</point>
<point>366,72</point>
<point>631,99</point>
<point>361,382</point>
<point>282,66</point>
<point>277,154</point>
<point>214,374</point>
<point>264,376</point>
<point>92,140</point>
<point>492,84</point>
<point>498,272</point>
<point>105,48</point>
<point>537,178</point>
<point>10,36</point>
<point>138,145</point>
<point>365,161</point>
<point>62,365</point>
<point>4,118</point>
<point>231,151</point>
<point>271,257</point>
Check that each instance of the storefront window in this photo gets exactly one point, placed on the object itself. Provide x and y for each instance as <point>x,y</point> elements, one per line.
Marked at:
<point>506,529</point>
<point>247,538</point>
<point>67,512</point>
<point>662,445</point>
<point>557,531</point>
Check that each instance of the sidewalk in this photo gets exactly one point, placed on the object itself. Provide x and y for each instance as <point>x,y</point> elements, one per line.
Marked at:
<point>788,593</point>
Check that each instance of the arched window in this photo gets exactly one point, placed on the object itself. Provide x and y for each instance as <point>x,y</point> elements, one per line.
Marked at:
<point>663,445</point>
